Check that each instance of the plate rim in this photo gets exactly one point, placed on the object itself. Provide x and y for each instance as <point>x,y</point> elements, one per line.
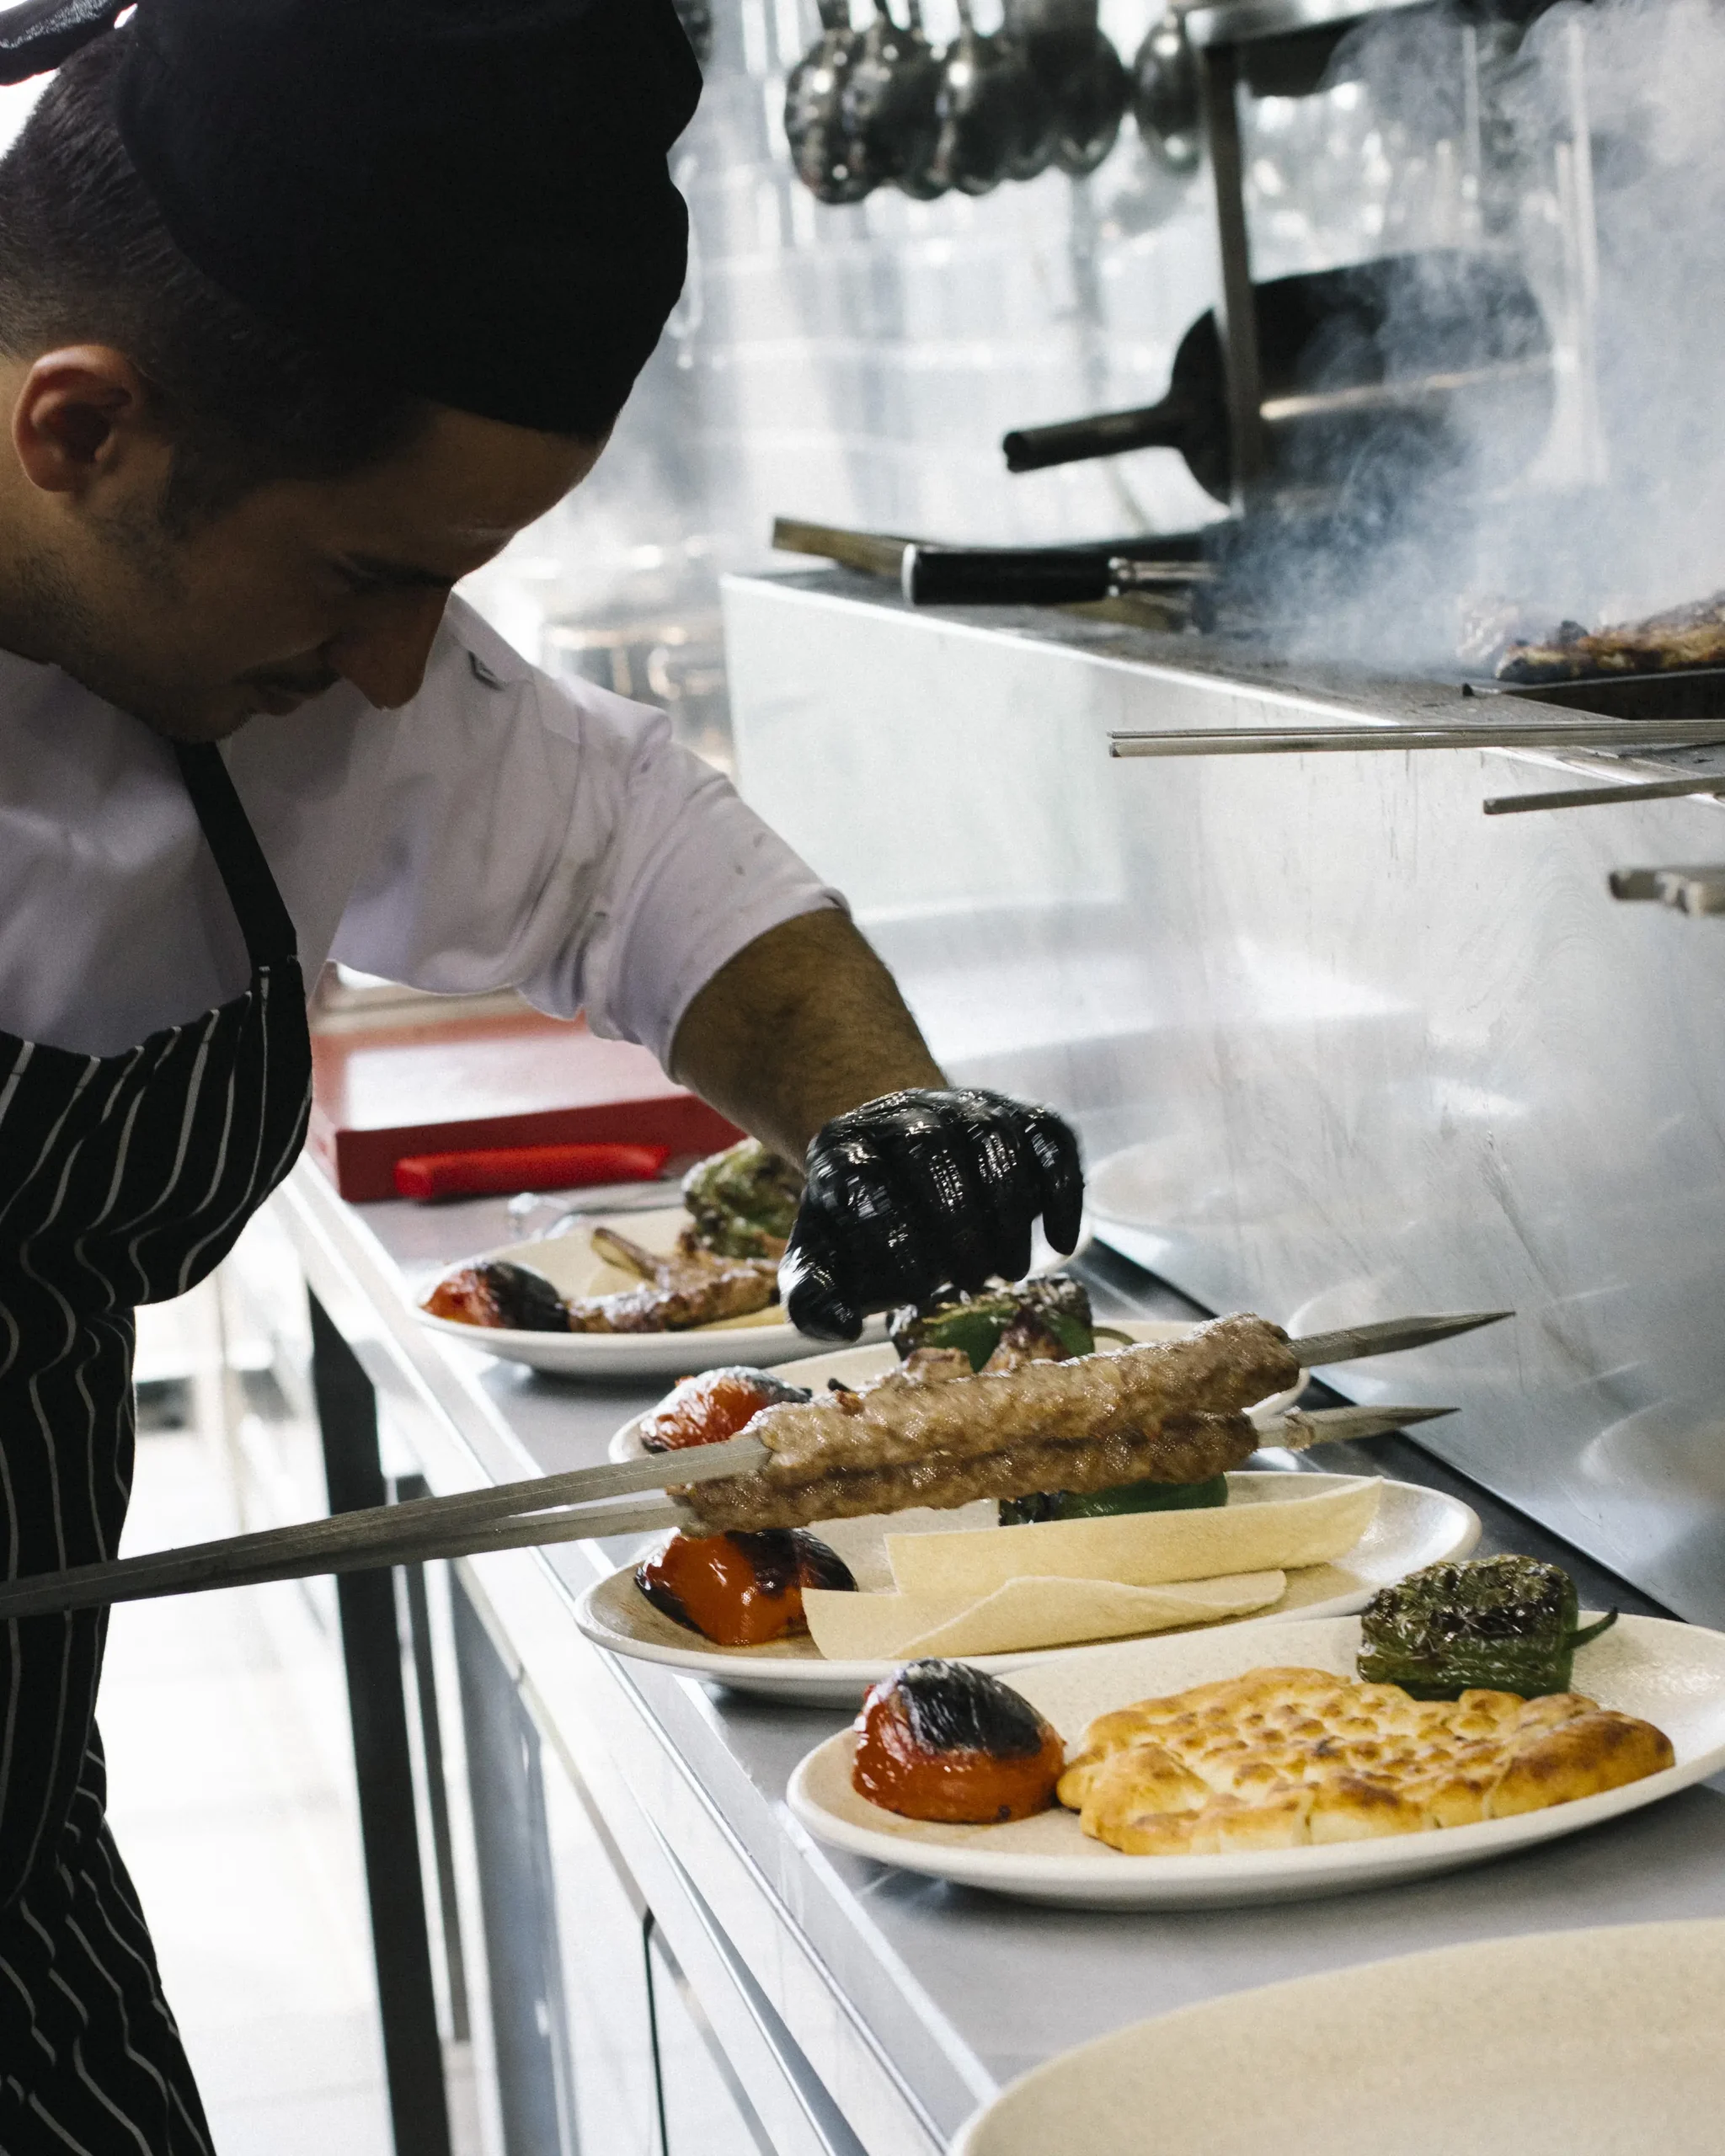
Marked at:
<point>1371,1859</point>
<point>784,1674</point>
<point>1582,1942</point>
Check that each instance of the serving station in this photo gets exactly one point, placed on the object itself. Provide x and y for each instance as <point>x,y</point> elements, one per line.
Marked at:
<point>599,1926</point>
<point>1339,1044</point>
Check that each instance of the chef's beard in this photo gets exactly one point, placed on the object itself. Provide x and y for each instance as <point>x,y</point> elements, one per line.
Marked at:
<point>58,625</point>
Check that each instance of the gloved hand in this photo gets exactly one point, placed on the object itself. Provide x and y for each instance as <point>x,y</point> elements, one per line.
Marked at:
<point>920,1189</point>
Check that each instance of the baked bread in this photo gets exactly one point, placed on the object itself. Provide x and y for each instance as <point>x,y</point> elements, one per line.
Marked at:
<point>1280,1759</point>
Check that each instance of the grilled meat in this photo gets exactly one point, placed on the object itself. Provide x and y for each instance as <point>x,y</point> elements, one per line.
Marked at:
<point>683,1289</point>
<point>1225,1365</point>
<point>1685,636</point>
<point>1184,1449</point>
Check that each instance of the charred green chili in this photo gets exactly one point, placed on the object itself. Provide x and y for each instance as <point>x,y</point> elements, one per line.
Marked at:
<point>1487,1624</point>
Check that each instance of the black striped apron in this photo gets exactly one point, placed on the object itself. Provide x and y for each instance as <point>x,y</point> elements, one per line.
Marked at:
<point>123,1180</point>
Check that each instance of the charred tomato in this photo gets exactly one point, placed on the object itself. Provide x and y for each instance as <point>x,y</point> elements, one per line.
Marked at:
<point>941,1741</point>
<point>707,1409</point>
<point>741,1590</point>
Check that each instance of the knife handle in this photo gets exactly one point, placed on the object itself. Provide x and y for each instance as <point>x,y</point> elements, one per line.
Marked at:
<point>1003,576</point>
<point>493,1172</point>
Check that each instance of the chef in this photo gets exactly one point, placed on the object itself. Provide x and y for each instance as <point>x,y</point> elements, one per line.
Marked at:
<point>307,308</point>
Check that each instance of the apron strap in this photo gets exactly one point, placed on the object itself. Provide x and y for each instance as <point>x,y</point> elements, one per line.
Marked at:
<point>265,920</point>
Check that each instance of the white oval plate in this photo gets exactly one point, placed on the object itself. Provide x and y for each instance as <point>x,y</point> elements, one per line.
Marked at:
<point>1595,2042</point>
<point>859,1365</point>
<point>1672,1674</point>
<point>1413,1527</point>
<point>574,1267</point>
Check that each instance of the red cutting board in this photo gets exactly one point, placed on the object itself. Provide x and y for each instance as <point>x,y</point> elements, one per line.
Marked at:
<point>520,1080</point>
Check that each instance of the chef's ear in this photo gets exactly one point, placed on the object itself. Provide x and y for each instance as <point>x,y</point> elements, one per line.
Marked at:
<point>78,413</point>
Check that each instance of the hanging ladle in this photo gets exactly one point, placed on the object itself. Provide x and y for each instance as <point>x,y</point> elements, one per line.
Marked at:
<point>1080,76</point>
<point>822,149</point>
<point>994,121</point>
<point>890,123</point>
<point>1165,100</point>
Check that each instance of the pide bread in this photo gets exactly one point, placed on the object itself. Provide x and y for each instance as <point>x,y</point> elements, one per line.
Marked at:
<point>1280,1759</point>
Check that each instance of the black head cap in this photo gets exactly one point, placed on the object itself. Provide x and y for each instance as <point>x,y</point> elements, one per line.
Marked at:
<point>467,198</point>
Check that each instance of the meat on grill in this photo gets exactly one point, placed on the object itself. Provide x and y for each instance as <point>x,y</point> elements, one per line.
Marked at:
<point>1685,636</point>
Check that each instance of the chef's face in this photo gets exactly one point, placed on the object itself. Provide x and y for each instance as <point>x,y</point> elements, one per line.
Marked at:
<point>298,585</point>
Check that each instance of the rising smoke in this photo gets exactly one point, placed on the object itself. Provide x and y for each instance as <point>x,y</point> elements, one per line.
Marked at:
<point>1620,508</point>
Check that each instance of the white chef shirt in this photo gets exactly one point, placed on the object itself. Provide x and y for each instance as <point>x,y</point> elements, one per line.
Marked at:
<point>500,830</point>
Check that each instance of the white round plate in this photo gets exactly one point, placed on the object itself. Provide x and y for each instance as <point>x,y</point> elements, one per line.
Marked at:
<point>574,1267</point>
<point>1595,2042</point>
<point>1673,1675</point>
<point>1413,1527</point>
<point>860,1365</point>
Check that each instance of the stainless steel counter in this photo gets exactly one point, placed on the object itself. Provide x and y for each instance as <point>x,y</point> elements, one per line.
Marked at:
<point>1339,1045</point>
<point>854,2008</point>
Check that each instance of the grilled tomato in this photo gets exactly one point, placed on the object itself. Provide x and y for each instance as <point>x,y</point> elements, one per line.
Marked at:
<point>739,1590</point>
<point>496,1293</point>
<point>707,1410</point>
<point>942,1740</point>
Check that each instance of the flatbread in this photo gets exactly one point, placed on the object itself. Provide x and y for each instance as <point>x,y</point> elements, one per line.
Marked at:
<point>1281,1757</point>
<point>1021,1614</point>
<point>1141,1549</point>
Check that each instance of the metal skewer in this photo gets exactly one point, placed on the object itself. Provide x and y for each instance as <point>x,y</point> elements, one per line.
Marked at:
<point>1599,797</point>
<point>560,1508</point>
<point>1318,740</point>
<point>289,1553</point>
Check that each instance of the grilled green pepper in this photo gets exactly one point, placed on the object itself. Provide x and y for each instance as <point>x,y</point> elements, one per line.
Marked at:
<point>1106,1504</point>
<point>1057,1306</point>
<point>743,1201</point>
<point>1488,1623</point>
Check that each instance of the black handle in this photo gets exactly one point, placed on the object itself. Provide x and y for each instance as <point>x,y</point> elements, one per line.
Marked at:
<point>1003,576</point>
<point>1165,425</point>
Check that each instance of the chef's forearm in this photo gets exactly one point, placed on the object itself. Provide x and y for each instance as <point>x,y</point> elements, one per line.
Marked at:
<point>802,1024</point>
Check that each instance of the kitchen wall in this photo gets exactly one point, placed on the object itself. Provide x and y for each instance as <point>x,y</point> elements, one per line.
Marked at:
<point>859,365</point>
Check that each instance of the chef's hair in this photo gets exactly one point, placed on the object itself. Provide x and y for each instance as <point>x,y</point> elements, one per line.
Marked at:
<point>85,258</point>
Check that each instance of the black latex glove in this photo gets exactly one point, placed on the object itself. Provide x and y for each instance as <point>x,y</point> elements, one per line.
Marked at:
<point>919,1190</point>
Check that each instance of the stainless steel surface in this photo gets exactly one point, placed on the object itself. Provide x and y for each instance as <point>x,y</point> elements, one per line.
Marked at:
<point>1351,741</point>
<point>1684,890</point>
<point>1242,22</point>
<point>840,1991</point>
<point>1388,1336</point>
<point>1337,1044</point>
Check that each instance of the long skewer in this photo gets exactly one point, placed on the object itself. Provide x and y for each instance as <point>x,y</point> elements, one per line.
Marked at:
<point>290,1553</point>
<point>561,1508</point>
<point>1486,733</point>
<point>1600,796</point>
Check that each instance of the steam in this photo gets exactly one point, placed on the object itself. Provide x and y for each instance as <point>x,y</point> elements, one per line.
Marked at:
<point>1594,158</point>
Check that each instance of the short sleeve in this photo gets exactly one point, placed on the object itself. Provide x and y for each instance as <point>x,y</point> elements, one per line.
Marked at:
<point>558,840</point>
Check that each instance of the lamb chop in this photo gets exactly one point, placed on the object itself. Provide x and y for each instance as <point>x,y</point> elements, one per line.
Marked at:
<point>1683,636</point>
<point>682,1289</point>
